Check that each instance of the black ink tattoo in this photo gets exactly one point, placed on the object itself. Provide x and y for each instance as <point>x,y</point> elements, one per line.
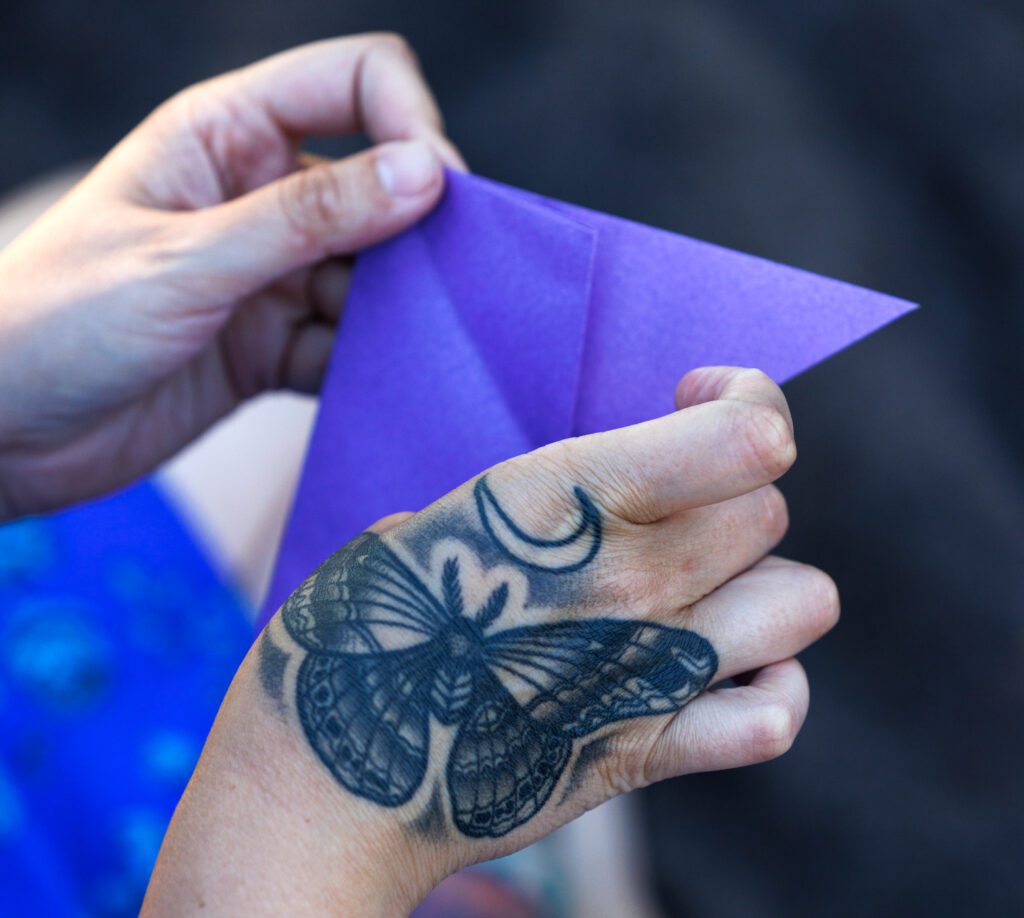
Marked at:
<point>387,653</point>
<point>563,556</point>
<point>588,756</point>
<point>431,822</point>
<point>272,666</point>
<point>457,522</point>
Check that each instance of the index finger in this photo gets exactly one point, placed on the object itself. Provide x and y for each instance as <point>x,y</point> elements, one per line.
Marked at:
<point>741,384</point>
<point>734,435</point>
<point>370,83</point>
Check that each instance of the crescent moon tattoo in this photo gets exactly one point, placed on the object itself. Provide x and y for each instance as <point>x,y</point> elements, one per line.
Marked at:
<point>558,556</point>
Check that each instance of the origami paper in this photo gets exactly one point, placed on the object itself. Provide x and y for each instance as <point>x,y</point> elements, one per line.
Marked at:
<point>504,321</point>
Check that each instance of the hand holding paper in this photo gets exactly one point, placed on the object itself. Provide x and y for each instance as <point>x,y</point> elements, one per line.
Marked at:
<point>194,267</point>
<point>453,687</point>
<point>549,633</point>
<point>467,680</point>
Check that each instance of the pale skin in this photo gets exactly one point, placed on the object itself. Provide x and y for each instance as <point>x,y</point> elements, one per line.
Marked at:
<point>691,515</point>
<point>202,262</point>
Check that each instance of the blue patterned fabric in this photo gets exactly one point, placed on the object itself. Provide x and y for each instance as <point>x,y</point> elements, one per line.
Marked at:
<point>117,643</point>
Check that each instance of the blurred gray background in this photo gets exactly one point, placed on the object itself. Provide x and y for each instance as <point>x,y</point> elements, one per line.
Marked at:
<point>878,142</point>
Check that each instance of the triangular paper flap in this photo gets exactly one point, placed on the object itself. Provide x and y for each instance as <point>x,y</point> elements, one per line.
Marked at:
<point>663,304</point>
<point>459,348</point>
<point>519,278</point>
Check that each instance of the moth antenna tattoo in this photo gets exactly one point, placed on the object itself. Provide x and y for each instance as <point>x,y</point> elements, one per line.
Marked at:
<point>494,606</point>
<point>391,651</point>
<point>452,589</point>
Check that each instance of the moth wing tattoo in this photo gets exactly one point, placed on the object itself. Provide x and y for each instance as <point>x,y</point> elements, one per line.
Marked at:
<point>361,600</point>
<point>365,717</point>
<point>386,656</point>
<point>503,765</point>
<point>583,675</point>
<point>578,676</point>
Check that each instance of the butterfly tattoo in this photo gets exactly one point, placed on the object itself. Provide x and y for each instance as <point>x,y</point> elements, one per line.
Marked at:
<point>388,653</point>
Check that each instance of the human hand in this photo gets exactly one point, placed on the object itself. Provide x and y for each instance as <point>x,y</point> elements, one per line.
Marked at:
<point>454,685</point>
<point>202,262</point>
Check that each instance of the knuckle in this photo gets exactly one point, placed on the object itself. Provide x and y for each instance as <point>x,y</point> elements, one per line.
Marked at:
<point>574,461</point>
<point>562,458</point>
<point>752,379</point>
<point>767,440</point>
<point>753,386</point>
<point>314,201</point>
<point>774,731</point>
<point>393,41</point>
<point>623,770</point>
<point>626,497</point>
<point>652,755</point>
<point>183,100</point>
<point>167,248</point>
<point>554,468</point>
<point>185,107</point>
<point>623,488</point>
<point>546,478</point>
<point>196,101</point>
<point>618,766</point>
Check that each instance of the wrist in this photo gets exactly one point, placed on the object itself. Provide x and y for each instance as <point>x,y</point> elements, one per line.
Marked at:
<point>263,826</point>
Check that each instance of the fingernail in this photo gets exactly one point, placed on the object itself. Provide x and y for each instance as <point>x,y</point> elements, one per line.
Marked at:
<point>407,169</point>
<point>450,155</point>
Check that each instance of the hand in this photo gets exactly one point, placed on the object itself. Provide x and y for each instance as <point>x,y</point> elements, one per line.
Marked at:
<point>556,632</point>
<point>202,262</point>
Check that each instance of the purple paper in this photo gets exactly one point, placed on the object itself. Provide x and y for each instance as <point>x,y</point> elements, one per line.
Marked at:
<point>504,321</point>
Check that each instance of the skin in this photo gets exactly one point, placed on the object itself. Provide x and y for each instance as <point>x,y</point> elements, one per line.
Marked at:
<point>203,261</point>
<point>690,515</point>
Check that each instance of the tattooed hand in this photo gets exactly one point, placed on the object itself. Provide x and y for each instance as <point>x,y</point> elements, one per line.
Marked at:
<point>201,262</point>
<point>450,687</point>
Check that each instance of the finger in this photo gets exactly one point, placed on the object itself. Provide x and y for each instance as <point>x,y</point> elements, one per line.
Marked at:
<point>735,439</point>
<point>773,611</point>
<point>691,554</point>
<point>390,522</point>
<point>327,288</point>
<point>304,159</point>
<point>315,213</point>
<point>733,727</point>
<point>704,454</point>
<point>707,384</point>
<point>306,356</point>
<point>328,282</point>
<point>364,83</point>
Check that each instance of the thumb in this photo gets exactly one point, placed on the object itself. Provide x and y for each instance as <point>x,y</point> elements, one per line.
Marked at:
<point>330,208</point>
<point>390,521</point>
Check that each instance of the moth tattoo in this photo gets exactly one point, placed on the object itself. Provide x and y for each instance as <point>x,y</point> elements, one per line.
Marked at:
<point>391,650</point>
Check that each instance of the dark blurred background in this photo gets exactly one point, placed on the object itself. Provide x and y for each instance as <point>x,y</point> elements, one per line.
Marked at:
<point>878,142</point>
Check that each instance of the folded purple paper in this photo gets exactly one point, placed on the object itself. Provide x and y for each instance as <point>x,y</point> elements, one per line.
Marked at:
<point>504,321</point>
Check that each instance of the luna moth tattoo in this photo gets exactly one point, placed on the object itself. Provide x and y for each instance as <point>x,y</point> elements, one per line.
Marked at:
<point>391,651</point>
